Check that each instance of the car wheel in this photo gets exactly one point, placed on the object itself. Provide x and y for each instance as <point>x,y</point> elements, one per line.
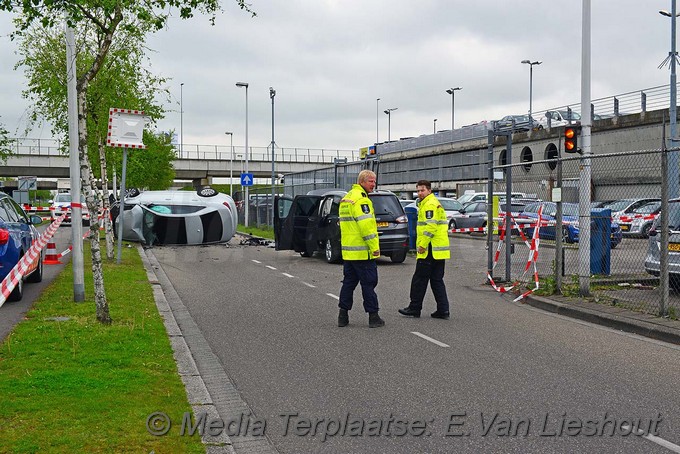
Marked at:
<point>565,235</point>
<point>207,192</point>
<point>644,231</point>
<point>37,274</point>
<point>18,291</point>
<point>452,224</point>
<point>398,256</point>
<point>613,245</point>
<point>332,255</point>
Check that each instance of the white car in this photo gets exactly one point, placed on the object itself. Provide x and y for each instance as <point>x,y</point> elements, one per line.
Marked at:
<point>177,217</point>
<point>452,207</point>
<point>559,118</point>
<point>62,204</point>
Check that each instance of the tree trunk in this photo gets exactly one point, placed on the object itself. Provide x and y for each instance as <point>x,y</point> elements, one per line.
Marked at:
<point>102,306</point>
<point>108,228</point>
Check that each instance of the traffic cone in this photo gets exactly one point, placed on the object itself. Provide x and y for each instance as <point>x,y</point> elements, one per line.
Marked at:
<point>51,257</point>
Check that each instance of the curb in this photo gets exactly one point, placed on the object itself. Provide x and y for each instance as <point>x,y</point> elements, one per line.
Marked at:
<point>622,323</point>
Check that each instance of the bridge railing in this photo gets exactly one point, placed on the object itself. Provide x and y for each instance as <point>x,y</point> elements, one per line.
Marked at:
<point>51,147</point>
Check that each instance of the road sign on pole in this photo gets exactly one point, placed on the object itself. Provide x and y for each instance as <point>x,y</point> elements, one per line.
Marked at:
<point>247,179</point>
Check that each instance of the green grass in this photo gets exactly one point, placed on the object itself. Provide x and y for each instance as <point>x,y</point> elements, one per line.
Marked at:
<point>80,386</point>
<point>262,231</point>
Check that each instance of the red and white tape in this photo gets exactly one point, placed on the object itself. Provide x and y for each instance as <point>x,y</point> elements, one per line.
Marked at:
<point>21,268</point>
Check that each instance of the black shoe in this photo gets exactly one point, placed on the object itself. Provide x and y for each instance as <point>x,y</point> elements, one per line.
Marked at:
<point>343,318</point>
<point>442,315</point>
<point>407,311</point>
<point>374,320</point>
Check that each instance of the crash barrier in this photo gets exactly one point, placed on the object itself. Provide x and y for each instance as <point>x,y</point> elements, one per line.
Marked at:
<point>468,229</point>
<point>531,260</point>
<point>20,269</point>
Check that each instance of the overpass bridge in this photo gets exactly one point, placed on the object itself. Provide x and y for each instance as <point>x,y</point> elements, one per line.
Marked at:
<point>42,158</point>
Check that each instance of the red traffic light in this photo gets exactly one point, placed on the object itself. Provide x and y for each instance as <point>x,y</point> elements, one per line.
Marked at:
<point>571,139</point>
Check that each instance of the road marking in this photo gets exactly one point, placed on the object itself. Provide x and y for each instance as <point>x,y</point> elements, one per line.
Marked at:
<point>270,267</point>
<point>428,338</point>
<point>308,285</point>
<point>333,296</point>
<point>654,439</point>
<point>256,261</point>
<point>287,275</point>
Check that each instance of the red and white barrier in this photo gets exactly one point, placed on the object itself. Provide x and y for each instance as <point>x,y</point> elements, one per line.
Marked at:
<point>468,229</point>
<point>21,268</point>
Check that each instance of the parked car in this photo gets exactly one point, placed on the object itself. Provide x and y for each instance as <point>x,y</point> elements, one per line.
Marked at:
<point>472,196</point>
<point>177,217</point>
<point>452,207</point>
<point>639,221</point>
<point>17,234</point>
<point>601,204</point>
<point>560,118</point>
<point>653,258</point>
<point>62,204</point>
<point>518,122</point>
<point>406,202</point>
<point>626,206</point>
<point>309,223</point>
<point>570,227</point>
<point>472,215</point>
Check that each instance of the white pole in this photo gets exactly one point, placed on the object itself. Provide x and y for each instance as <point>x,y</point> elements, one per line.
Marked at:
<point>585,177</point>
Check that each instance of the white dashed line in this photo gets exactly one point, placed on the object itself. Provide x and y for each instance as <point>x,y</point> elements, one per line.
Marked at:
<point>309,285</point>
<point>428,338</point>
<point>270,267</point>
<point>654,439</point>
<point>333,296</point>
<point>256,261</point>
<point>287,275</point>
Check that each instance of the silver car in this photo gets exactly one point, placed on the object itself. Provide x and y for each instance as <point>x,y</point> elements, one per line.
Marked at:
<point>653,259</point>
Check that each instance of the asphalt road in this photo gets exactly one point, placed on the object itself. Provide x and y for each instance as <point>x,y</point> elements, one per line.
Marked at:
<point>497,377</point>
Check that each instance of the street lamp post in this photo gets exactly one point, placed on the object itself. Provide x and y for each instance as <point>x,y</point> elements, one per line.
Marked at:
<point>452,92</point>
<point>377,119</point>
<point>181,120</point>
<point>389,123</point>
<point>247,198</point>
<point>231,163</point>
<point>673,158</point>
<point>434,129</point>
<point>272,93</point>
<point>531,82</point>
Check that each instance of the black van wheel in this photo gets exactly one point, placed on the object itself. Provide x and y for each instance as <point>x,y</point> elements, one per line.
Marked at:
<point>398,256</point>
<point>332,255</point>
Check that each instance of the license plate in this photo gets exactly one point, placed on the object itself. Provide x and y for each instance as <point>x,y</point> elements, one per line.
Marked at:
<point>385,224</point>
<point>674,247</point>
<point>625,227</point>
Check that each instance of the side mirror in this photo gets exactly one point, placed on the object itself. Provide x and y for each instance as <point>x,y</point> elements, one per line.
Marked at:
<point>35,219</point>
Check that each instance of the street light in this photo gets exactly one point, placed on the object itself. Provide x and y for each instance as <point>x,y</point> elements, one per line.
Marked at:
<point>434,131</point>
<point>377,119</point>
<point>452,92</point>
<point>389,123</point>
<point>231,163</point>
<point>272,93</point>
<point>531,82</point>
<point>673,164</point>
<point>181,121</point>
<point>247,199</point>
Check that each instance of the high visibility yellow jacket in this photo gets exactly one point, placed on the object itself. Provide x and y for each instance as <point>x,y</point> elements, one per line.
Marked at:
<point>432,229</point>
<point>358,229</point>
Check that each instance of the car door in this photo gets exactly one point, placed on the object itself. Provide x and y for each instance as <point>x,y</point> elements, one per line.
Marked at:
<point>329,226</point>
<point>283,228</point>
<point>300,222</point>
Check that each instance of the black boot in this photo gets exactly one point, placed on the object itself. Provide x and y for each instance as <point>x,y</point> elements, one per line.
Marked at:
<point>409,312</point>
<point>374,320</point>
<point>343,318</point>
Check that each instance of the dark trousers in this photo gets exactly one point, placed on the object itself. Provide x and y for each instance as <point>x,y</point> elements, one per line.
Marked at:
<point>432,271</point>
<point>355,272</point>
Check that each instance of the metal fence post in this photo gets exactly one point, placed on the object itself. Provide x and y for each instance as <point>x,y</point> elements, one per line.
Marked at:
<point>643,101</point>
<point>489,206</point>
<point>508,199</point>
<point>663,253</point>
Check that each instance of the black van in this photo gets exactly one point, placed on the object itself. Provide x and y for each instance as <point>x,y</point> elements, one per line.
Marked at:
<point>309,223</point>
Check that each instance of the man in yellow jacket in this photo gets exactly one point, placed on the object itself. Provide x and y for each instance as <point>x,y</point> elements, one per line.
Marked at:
<point>432,243</point>
<point>360,249</point>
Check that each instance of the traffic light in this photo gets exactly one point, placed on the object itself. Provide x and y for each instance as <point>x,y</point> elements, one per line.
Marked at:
<point>571,134</point>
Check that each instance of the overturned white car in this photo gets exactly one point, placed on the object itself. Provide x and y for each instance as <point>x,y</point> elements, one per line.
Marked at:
<point>177,217</point>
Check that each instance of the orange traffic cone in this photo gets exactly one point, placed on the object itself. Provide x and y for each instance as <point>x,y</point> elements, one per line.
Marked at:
<point>51,257</point>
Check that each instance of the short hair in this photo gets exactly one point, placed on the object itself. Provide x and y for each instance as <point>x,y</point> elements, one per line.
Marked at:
<point>425,183</point>
<point>365,175</point>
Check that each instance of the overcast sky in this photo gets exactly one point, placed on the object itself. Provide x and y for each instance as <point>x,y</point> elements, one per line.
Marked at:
<point>329,60</point>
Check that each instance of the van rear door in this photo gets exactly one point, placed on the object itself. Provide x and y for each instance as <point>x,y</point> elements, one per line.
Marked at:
<point>292,219</point>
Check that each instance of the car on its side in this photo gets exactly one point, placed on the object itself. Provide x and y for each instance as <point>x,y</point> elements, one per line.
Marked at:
<point>640,220</point>
<point>570,226</point>
<point>309,223</point>
<point>653,258</point>
<point>17,234</point>
<point>62,204</point>
<point>177,217</point>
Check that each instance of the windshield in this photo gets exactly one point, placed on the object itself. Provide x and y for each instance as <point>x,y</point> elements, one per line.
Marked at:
<point>61,198</point>
<point>569,209</point>
<point>618,205</point>
<point>574,115</point>
<point>451,205</point>
<point>465,198</point>
<point>649,208</point>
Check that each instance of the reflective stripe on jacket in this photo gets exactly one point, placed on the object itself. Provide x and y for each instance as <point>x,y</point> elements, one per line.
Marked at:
<point>358,229</point>
<point>432,229</point>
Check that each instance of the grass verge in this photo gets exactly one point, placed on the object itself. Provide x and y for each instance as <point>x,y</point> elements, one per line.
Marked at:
<point>262,231</point>
<point>78,386</point>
